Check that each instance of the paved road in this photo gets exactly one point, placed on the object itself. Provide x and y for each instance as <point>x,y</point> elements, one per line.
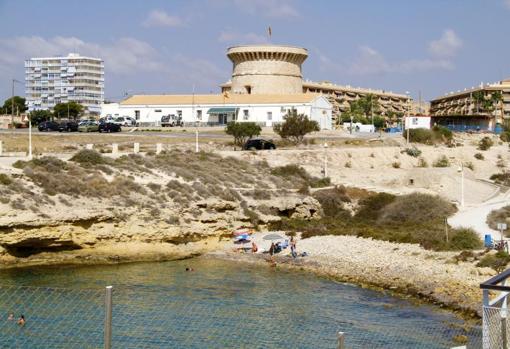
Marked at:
<point>475,216</point>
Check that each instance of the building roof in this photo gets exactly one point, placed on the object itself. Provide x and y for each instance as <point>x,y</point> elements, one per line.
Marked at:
<point>217,99</point>
<point>497,86</point>
<point>335,87</point>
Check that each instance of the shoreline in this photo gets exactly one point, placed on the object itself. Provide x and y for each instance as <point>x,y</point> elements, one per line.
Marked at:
<point>403,270</point>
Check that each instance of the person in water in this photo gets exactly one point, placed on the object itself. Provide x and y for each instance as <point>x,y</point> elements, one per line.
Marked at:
<point>10,317</point>
<point>272,249</point>
<point>21,320</point>
<point>189,269</point>
<point>254,247</point>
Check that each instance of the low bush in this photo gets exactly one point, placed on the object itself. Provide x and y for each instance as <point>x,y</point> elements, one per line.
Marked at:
<point>299,173</point>
<point>438,134</point>
<point>501,215</point>
<point>416,207</point>
<point>332,200</point>
<point>505,136</point>
<point>88,157</point>
<point>442,161</point>
<point>502,178</point>
<point>497,261</point>
<point>464,239</point>
<point>485,143</point>
<point>469,165</point>
<point>422,162</point>
<point>479,156</point>
<point>371,206</point>
<point>414,152</point>
<point>5,179</point>
<point>395,164</point>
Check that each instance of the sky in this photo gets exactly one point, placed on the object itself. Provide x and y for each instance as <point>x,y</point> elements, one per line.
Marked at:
<point>178,46</point>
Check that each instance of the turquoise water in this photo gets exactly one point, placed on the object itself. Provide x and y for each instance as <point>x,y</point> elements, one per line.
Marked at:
<point>219,305</point>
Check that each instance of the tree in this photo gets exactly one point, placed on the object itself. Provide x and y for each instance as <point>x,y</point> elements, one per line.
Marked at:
<point>38,116</point>
<point>242,131</point>
<point>295,126</point>
<point>19,105</point>
<point>73,109</point>
<point>367,106</point>
<point>478,98</point>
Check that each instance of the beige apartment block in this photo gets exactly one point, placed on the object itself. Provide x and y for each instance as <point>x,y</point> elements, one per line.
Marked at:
<point>464,104</point>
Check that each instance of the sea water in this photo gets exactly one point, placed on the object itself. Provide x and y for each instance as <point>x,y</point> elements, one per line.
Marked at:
<point>220,304</point>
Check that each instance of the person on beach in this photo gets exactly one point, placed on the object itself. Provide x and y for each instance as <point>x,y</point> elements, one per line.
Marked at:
<point>10,317</point>
<point>21,320</point>
<point>254,247</point>
<point>293,247</point>
<point>272,249</point>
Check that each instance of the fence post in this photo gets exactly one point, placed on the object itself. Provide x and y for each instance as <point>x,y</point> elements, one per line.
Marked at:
<point>108,318</point>
<point>159,148</point>
<point>89,146</point>
<point>1,147</point>
<point>115,148</point>
<point>341,340</point>
<point>136,148</point>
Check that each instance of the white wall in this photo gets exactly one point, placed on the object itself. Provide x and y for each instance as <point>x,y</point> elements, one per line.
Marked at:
<point>318,110</point>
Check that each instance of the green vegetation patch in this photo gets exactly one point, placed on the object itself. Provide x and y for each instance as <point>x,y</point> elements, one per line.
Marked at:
<point>414,218</point>
<point>497,261</point>
<point>438,134</point>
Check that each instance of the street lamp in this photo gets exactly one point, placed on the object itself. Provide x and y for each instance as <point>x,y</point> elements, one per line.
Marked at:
<point>325,170</point>
<point>461,171</point>
<point>12,101</point>
<point>406,122</point>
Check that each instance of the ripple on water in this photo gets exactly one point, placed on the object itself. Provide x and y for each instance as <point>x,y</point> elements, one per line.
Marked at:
<point>221,304</point>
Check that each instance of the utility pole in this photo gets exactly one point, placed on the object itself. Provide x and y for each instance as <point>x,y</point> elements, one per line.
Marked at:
<point>12,104</point>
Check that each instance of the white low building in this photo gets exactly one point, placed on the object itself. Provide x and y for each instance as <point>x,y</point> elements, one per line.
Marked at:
<point>218,109</point>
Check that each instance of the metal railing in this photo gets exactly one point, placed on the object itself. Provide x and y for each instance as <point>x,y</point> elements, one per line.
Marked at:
<point>495,312</point>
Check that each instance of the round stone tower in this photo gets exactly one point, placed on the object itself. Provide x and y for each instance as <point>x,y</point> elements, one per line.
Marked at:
<point>267,69</point>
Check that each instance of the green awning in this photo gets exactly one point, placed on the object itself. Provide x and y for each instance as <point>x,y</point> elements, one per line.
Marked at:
<point>224,110</point>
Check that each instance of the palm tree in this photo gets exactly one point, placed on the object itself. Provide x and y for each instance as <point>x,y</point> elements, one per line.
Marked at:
<point>478,98</point>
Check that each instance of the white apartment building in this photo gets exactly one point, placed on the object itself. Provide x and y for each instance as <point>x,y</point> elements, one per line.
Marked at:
<point>53,80</point>
<point>217,109</point>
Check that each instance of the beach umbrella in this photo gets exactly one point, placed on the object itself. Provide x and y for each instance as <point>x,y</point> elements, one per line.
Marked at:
<point>273,237</point>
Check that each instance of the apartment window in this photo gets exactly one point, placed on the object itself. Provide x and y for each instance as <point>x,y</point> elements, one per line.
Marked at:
<point>414,121</point>
<point>269,115</point>
<point>137,114</point>
<point>246,114</point>
<point>199,114</point>
<point>157,110</point>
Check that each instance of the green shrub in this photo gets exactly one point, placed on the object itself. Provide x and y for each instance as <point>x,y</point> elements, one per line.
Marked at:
<point>438,134</point>
<point>416,207</point>
<point>348,164</point>
<point>479,156</point>
<point>469,165</point>
<point>288,171</point>
<point>370,207</point>
<point>441,132</point>
<point>332,200</point>
<point>241,131</point>
<point>422,162</point>
<point>502,178</point>
<point>320,182</point>
<point>442,161</point>
<point>295,126</point>
<point>505,136</point>
<point>88,157</point>
<point>395,164</point>
<point>497,261</point>
<point>464,239</point>
<point>5,179</point>
<point>485,143</point>
<point>501,215</point>
<point>414,152</point>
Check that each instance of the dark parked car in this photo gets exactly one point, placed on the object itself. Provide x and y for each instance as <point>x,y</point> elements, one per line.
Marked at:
<point>46,126</point>
<point>68,126</point>
<point>109,127</point>
<point>258,144</point>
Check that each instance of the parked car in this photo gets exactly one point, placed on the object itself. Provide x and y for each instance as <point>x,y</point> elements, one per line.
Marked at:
<point>46,126</point>
<point>171,120</point>
<point>68,126</point>
<point>258,144</point>
<point>88,126</point>
<point>124,121</point>
<point>109,127</point>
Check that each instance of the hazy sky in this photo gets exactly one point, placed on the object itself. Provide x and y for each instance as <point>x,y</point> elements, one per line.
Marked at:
<point>157,46</point>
